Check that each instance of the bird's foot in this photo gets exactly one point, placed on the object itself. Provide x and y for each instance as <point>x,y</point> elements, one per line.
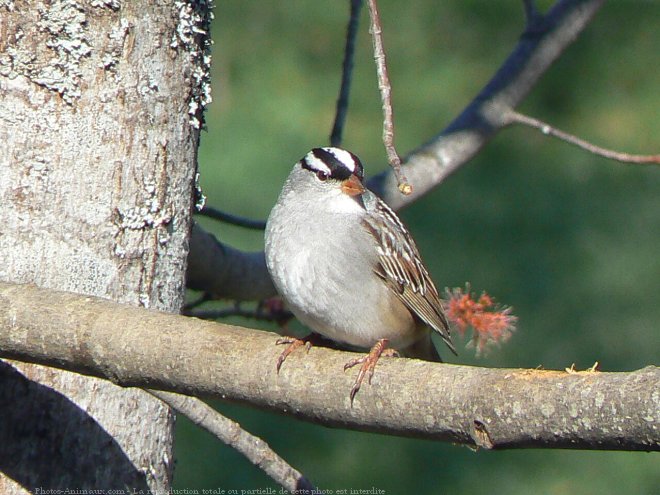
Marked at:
<point>313,339</point>
<point>368,363</point>
<point>294,343</point>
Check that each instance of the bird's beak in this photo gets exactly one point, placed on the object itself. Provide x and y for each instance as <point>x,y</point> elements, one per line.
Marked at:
<point>352,186</point>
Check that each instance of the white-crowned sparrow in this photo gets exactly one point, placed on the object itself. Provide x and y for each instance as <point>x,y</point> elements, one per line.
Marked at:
<point>347,267</point>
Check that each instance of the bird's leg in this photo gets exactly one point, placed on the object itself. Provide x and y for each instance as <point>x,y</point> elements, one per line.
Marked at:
<point>368,363</point>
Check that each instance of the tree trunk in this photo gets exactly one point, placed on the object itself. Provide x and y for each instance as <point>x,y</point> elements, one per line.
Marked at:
<point>100,105</point>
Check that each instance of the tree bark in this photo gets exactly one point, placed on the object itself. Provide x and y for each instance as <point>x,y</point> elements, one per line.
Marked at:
<point>97,162</point>
<point>482,407</point>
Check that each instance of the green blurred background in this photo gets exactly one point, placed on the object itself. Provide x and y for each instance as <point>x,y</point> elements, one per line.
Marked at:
<point>570,240</point>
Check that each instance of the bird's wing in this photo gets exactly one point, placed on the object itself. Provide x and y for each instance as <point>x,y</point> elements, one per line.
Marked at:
<point>401,268</point>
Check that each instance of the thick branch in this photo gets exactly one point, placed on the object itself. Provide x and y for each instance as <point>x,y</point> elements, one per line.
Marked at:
<point>224,271</point>
<point>489,408</point>
<point>544,40</point>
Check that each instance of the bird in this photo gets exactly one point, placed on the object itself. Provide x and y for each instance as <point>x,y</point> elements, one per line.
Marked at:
<point>347,267</point>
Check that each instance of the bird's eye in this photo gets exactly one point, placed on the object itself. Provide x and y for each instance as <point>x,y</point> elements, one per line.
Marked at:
<point>323,176</point>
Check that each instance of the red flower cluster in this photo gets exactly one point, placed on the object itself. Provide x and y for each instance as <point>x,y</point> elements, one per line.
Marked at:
<point>489,321</point>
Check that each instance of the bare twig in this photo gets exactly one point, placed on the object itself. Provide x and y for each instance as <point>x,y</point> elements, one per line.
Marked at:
<point>545,128</point>
<point>347,72</point>
<point>386,97</point>
<point>230,432</point>
<point>204,298</point>
<point>489,408</point>
<point>209,211</point>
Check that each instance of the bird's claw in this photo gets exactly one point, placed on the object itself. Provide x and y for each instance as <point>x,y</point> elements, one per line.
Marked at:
<point>368,363</point>
<point>294,343</point>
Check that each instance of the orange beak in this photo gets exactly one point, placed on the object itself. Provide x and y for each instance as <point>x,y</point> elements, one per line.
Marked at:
<point>352,186</point>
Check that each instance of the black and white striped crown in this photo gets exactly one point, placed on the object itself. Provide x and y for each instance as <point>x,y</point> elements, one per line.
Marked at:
<point>334,163</point>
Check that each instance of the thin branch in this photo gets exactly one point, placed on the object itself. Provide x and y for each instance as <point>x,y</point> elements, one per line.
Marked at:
<point>252,447</point>
<point>547,129</point>
<point>386,97</point>
<point>261,313</point>
<point>203,299</point>
<point>488,408</point>
<point>532,14</point>
<point>346,75</point>
<point>209,211</point>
